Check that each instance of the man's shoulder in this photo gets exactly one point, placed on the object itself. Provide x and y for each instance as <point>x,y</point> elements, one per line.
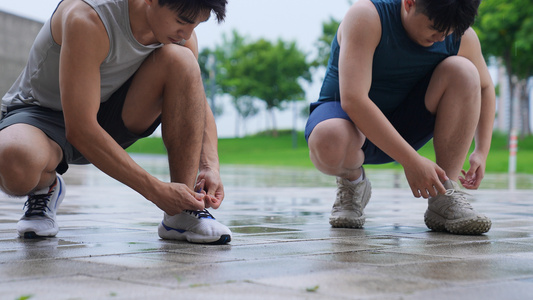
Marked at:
<point>362,11</point>
<point>77,11</point>
<point>77,24</point>
<point>363,7</point>
<point>362,16</point>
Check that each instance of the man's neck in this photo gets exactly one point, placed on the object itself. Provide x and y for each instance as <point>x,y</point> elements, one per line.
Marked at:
<point>139,24</point>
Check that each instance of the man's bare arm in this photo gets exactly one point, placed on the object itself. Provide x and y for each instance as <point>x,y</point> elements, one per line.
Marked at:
<point>471,49</point>
<point>209,160</point>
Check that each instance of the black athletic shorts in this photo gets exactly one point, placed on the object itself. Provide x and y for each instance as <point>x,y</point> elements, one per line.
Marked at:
<point>411,119</point>
<point>52,124</point>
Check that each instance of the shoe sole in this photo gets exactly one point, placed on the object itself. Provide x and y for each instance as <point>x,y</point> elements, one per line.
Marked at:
<point>33,235</point>
<point>224,239</point>
<point>179,235</point>
<point>340,222</point>
<point>466,226</point>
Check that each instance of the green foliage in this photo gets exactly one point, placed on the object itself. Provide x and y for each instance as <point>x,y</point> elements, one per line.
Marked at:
<point>264,150</point>
<point>248,70</point>
<point>329,29</point>
<point>504,30</point>
<point>312,289</point>
<point>269,71</point>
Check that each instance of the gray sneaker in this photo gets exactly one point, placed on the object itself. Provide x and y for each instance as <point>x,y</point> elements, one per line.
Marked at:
<point>351,200</point>
<point>452,213</point>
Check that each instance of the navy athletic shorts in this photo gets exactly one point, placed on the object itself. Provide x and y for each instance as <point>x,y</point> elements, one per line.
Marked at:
<point>52,124</point>
<point>411,119</point>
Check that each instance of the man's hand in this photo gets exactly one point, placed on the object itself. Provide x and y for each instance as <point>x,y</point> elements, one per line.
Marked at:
<point>472,179</point>
<point>209,183</point>
<point>173,198</point>
<point>425,178</point>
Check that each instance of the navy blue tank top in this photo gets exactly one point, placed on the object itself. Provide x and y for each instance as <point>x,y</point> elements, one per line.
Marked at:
<point>398,65</point>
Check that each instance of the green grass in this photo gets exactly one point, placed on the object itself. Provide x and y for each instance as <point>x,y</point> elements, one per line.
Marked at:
<point>265,150</point>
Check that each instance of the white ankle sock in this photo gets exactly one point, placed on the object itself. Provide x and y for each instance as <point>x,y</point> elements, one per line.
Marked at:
<point>358,179</point>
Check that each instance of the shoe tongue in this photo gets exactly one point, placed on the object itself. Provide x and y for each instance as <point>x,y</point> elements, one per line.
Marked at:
<point>451,185</point>
<point>42,191</point>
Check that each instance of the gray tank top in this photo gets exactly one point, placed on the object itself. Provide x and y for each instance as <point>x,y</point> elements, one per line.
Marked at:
<point>38,84</point>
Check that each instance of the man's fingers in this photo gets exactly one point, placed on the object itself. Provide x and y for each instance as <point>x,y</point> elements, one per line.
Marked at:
<point>200,185</point>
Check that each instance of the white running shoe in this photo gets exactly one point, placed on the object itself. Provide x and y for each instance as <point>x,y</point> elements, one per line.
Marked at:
<point>39,220</point>
<point>194,226</point>
<point>347,211</point>
<point>452,213</point>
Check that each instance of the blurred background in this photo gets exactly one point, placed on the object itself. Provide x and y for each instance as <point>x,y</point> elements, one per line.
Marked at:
<point>264,64</point>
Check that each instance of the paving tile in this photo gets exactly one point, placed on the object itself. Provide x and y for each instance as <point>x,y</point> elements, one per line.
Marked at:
<point>282,247</point>
<point>356,285</point>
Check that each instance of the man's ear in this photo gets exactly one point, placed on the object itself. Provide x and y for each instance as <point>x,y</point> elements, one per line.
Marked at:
<point>409,4</point>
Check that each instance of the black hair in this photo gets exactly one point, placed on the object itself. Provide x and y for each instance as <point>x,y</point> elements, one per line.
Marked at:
<point>449,15</point>
<point>191,8</point>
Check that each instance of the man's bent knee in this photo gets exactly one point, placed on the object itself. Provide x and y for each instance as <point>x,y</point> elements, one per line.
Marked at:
<point>461,71</point>
<point>331,142</point>
<point>178,59</point>
<point>458,76</point>
<point>24,158</point>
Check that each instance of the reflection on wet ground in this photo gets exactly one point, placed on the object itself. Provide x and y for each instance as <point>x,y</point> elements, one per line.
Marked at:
<point>282,247</point>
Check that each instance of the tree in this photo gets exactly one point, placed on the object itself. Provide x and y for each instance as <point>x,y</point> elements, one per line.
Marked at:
<point>242,102</point>
<point>323,44</point>
<point>246,109</point>
<point>270,72</point>
<point>504,29</point>
<point>214,65</point>
<point>208,66</point>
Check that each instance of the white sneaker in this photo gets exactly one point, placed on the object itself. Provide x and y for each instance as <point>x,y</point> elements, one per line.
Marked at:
<point>347,211</point>
<point>194,226</point>
<point>452,213</point>
<point>40,217</point>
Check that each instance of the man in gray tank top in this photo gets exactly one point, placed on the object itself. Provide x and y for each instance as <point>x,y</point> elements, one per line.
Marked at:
<point>402,72</point>
<point>102,74</point>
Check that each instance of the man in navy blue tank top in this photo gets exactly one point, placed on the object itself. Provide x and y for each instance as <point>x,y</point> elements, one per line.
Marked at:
<point>101,75</point>
<point>400,73</point>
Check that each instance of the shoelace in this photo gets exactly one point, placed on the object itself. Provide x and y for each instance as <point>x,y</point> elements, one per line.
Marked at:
<point>200,214</point>
<point>347,195</point>
<point>458,198</point>
<point>37,205</point>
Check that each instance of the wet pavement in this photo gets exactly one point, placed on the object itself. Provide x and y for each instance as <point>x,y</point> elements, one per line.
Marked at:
<point>282,247</point>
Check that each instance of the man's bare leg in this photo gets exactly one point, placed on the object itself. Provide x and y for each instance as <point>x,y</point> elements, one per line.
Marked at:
<point>28,159</point>
<point>169,85</point>
<point>454,95</point>
<point>335,149</point>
